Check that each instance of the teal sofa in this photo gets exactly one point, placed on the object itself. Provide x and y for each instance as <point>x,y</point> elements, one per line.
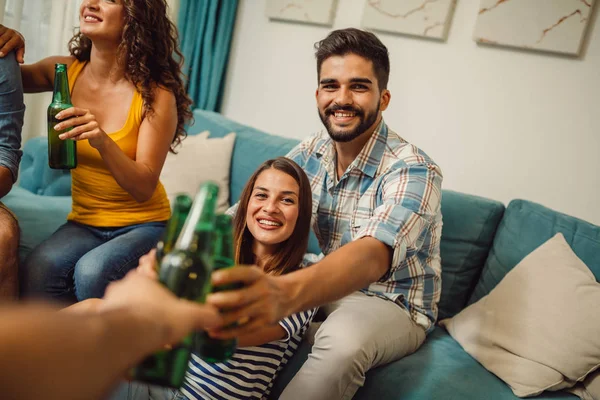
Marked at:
<point>481,241</point>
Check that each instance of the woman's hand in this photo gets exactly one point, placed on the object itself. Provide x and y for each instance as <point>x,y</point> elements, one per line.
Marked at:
<point>12,40</point>
<point>84,126</point>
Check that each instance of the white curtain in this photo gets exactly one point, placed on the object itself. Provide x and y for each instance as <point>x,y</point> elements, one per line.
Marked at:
<point>47,26</point>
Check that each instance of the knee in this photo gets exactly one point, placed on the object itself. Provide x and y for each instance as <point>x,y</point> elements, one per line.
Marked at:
<point>90,278</point>
<point>341,348</point>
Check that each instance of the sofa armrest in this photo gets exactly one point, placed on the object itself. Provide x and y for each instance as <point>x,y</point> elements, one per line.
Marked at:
<point>36,176</point>
<point>38,216</point>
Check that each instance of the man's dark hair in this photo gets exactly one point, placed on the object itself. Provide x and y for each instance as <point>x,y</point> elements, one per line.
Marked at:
<point>361,43</point>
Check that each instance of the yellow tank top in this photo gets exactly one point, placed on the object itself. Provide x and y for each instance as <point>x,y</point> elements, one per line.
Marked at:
<point>98,200</point>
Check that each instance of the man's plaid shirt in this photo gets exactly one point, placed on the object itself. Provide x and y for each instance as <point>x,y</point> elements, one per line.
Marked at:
<point>392,192</point>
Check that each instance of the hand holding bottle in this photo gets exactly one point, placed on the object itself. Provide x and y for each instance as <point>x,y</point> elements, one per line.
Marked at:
<point>84,126</point>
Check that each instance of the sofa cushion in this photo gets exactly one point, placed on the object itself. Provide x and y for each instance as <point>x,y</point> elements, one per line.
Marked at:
<point>199,158</point>
<point>538,329</point>
<point>36,176</point>
<point>39,216</point>
<point>440,369</point>
<point>523,228</point>
<point>470,223</point>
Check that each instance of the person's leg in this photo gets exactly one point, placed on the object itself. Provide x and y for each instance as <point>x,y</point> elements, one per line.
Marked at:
<point>48,270</point>
<point>9,244</point>
<point>113,259</point>
<point>12,110</point>
<point>361,332</point>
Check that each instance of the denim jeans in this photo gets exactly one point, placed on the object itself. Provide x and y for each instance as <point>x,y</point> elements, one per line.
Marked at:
<point>11,113</point>
<point>79,261</point>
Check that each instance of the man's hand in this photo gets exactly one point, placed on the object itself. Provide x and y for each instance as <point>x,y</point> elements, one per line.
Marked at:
<point>12,40</point>
<point>261,302</point>
<point>172,317</point>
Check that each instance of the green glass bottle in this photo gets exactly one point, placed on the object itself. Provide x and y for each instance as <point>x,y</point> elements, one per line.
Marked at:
<point>181,209</point>
<point>209,349</point>
<point>62,154</point>
<point>186,272</point>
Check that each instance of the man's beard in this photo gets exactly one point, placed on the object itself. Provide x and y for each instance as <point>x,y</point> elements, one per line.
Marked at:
<point>366,121</point>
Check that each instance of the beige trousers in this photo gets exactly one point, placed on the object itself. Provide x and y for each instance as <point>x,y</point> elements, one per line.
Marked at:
<point>361,332</point>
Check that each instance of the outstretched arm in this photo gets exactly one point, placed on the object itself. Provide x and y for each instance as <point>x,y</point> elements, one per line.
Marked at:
<point>52,355</point>
<point>267,299</point>
<point>410,202</point>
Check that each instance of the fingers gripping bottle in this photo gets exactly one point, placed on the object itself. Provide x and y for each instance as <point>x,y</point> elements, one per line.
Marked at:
<point>209,349</point>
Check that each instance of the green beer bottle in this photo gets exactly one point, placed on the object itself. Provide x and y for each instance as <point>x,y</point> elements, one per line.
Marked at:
<point>181,209</point>
<point>62,154</point>
<point>186,272</point>
<point>209,349</point>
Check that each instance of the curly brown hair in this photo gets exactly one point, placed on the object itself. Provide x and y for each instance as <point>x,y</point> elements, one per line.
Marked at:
<point>148,44</point>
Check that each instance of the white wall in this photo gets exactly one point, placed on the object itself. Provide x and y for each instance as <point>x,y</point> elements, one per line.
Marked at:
<point>501,123</point>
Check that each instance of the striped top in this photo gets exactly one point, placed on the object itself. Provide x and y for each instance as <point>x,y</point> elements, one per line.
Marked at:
<point>392,192</point>
<point>250,373</point>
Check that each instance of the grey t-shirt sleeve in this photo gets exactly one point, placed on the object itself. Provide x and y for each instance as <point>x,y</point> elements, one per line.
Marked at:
<point>12,110</point>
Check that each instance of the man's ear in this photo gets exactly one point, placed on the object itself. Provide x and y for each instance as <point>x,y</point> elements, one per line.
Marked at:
<point>384,101</point>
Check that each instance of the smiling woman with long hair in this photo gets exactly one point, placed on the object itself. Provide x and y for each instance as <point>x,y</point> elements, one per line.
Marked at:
<point>129,110</point>
<point>271,228</point>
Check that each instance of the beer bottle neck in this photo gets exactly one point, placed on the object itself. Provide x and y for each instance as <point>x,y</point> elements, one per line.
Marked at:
<point>61,87</point>
<point>199,227</point>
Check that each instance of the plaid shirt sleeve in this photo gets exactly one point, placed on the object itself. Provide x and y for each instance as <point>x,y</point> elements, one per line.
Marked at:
<point>408,200</point>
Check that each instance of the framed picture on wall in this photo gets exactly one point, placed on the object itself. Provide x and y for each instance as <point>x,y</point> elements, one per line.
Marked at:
<point>425,18</point>
<point>547,25</point>
<point>319,12</point>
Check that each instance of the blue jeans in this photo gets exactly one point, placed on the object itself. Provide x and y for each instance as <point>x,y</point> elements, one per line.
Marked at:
<point>11,113</point>
<point>79,261</point>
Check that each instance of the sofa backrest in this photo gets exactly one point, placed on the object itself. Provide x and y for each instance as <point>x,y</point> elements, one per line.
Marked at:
<point>524,227</point>
<point>470,223</point>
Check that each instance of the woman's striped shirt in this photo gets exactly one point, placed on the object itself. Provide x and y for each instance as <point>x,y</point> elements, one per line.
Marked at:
<point>250,373</point>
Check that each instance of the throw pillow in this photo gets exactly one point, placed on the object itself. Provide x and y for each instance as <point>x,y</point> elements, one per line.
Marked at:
<point>198,159</point>
<point>589,389</point>
<point>539,328</point>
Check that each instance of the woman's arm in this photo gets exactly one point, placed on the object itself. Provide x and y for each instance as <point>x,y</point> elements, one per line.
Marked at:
<point>39,77</point>
<point>138,177</point>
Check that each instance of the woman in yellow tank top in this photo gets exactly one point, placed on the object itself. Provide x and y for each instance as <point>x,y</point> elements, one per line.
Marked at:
<point>130,108</point>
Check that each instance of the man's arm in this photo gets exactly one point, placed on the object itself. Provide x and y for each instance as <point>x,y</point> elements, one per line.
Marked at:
<point>410,201</point>
<point>51,355</point>
<point>266,298</point>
